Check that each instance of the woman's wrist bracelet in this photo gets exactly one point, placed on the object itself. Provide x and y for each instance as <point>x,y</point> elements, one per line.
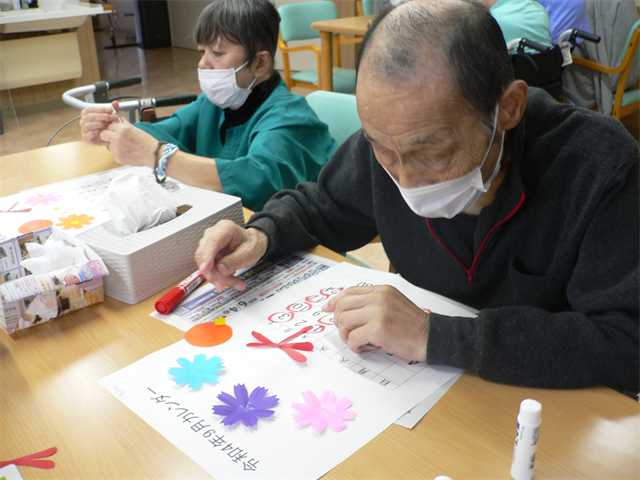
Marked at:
<point>161,163</point>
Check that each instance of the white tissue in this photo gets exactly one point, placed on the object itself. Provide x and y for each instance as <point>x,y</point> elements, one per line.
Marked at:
<point>136,203</point>
<point>51,256</point>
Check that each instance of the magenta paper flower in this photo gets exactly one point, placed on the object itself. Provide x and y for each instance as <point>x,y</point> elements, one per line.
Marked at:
<point>245,407</point>
<point>324,412</point>
<point>40,199</point>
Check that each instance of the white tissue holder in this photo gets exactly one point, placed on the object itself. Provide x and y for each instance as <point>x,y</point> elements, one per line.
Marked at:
<point>142,264</point>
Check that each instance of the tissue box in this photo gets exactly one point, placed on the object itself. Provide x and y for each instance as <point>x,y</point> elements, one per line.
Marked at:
<point>143,263</point>
<point>28,300</point>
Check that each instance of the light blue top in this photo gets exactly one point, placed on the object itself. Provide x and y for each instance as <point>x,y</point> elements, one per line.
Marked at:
<point>522,19</point>
<point>565,15</point>
<point>283,143</point>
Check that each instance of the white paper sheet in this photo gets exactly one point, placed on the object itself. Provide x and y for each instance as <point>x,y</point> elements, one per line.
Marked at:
<point>10,472</point>
<point>264,280</point>
<point>382,387</point>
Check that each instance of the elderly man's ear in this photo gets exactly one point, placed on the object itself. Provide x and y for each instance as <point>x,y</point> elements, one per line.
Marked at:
<point>513,103</point>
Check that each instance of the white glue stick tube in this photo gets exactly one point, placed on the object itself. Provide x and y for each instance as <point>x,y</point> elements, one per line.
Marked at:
<point>524,450</point>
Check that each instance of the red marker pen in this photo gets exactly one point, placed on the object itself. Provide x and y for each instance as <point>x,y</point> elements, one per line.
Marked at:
<point>174,296</point>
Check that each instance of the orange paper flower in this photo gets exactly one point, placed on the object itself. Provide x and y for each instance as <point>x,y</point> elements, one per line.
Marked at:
<point>74,221</point>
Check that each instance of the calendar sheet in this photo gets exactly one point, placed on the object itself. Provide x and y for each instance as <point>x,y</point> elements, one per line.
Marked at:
<point>381,387</point>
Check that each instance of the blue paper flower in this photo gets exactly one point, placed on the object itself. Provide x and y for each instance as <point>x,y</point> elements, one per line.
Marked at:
<point>245,407</point>
<point>201,370</point>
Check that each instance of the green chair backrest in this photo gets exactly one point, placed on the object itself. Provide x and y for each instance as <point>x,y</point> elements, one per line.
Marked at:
<point>636,58</point>
<point>367,7</point>
<point>338,110</point>
<point>296,19</point>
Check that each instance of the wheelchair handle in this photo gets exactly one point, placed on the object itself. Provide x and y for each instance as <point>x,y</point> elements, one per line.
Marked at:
<point>523,42</point>
<point>534,45</point>
<point>573,33</point>
<point>178,99</point>
<point>587,36</point>
<point>68,97</point>
<point>123,82</point>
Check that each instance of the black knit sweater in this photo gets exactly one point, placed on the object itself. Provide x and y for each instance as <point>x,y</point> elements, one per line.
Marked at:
<point>554,271</point>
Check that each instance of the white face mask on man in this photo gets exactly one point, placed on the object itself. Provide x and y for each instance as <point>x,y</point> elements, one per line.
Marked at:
<point>221,87</point>
<point>451,197</point>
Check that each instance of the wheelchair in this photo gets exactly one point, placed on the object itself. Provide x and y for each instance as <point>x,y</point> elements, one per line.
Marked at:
<point>544,66</point>
<point>142,108</point>
<point>137,108</point>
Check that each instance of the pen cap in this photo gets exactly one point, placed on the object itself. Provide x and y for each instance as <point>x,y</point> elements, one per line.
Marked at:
<point>168,301</point>
<point>530,412</point>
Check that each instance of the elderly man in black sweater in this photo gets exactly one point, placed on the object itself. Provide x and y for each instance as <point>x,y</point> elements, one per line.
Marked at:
<point>481,189</point>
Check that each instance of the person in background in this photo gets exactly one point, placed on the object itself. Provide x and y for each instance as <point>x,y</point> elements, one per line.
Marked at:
<point>483,190</point>
<point>383,6</point>
<point>521,19</point>
<point>246,135</point>
<point>612,21</point>
<point>566,15</point>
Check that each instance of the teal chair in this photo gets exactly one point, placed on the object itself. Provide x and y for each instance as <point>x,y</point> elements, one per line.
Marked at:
<point>338,110</point>
<point>625,102</point>
<point>364,7</point>
<point>295,24</point>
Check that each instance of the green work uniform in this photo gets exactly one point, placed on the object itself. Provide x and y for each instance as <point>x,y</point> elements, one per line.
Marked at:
<point>522,19</point>
<point>283,143</point>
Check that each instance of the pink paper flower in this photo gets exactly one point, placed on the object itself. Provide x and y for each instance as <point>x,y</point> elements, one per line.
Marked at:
<point>324,412</point>
<point>41,199</point>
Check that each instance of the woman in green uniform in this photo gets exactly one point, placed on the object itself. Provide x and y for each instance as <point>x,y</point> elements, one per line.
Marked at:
<point>246,135</point>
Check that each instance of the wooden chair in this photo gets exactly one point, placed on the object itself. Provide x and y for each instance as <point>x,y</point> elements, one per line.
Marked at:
<point>625,102</point>
<point>364,7</point>
<point>295,25</point>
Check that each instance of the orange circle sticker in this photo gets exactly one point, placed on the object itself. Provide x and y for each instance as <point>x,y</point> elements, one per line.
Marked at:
<point>34,225</point>
<point>209,334</point>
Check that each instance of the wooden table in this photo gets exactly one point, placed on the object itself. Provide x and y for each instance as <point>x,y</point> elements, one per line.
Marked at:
<point>349,25</point>
<point>50,396</point>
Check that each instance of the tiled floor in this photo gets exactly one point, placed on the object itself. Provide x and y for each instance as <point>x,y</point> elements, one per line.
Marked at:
<point>164,71</point>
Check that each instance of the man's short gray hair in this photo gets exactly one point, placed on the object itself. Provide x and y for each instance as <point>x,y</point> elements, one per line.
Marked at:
<point>460,34</point>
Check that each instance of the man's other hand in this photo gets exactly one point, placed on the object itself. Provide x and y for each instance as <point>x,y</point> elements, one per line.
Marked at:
<point>380,316</point>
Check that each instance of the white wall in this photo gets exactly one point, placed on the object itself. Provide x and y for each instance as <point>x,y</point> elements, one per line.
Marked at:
<point>184,13</point>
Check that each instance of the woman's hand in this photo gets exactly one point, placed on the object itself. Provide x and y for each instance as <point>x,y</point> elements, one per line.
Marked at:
<point>94,120</point>
<point>380,316</point>
<point>129,145</point>
<point>225,248</point>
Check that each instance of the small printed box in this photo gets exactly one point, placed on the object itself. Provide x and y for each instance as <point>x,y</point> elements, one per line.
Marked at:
<point>28,300</point>
<point>142,264</point>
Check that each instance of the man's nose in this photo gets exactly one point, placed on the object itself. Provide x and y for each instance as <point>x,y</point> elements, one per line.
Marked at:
<point>408,177</point>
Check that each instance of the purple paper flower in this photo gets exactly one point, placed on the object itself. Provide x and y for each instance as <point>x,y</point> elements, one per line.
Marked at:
<point>324,412</point>
<point>245,407</point>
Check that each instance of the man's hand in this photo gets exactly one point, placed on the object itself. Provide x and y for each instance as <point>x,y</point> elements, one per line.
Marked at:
<point>225,248</point>
<point>383,317</point>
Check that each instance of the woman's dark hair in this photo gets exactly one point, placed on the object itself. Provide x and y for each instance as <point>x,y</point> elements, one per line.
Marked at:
<point>254,24</point>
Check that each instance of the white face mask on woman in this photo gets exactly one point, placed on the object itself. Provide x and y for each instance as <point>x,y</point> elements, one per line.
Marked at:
<point>451,197</point>
<point>221,87</point>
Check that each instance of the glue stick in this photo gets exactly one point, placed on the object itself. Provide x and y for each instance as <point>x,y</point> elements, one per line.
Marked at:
<point>524,450</point>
